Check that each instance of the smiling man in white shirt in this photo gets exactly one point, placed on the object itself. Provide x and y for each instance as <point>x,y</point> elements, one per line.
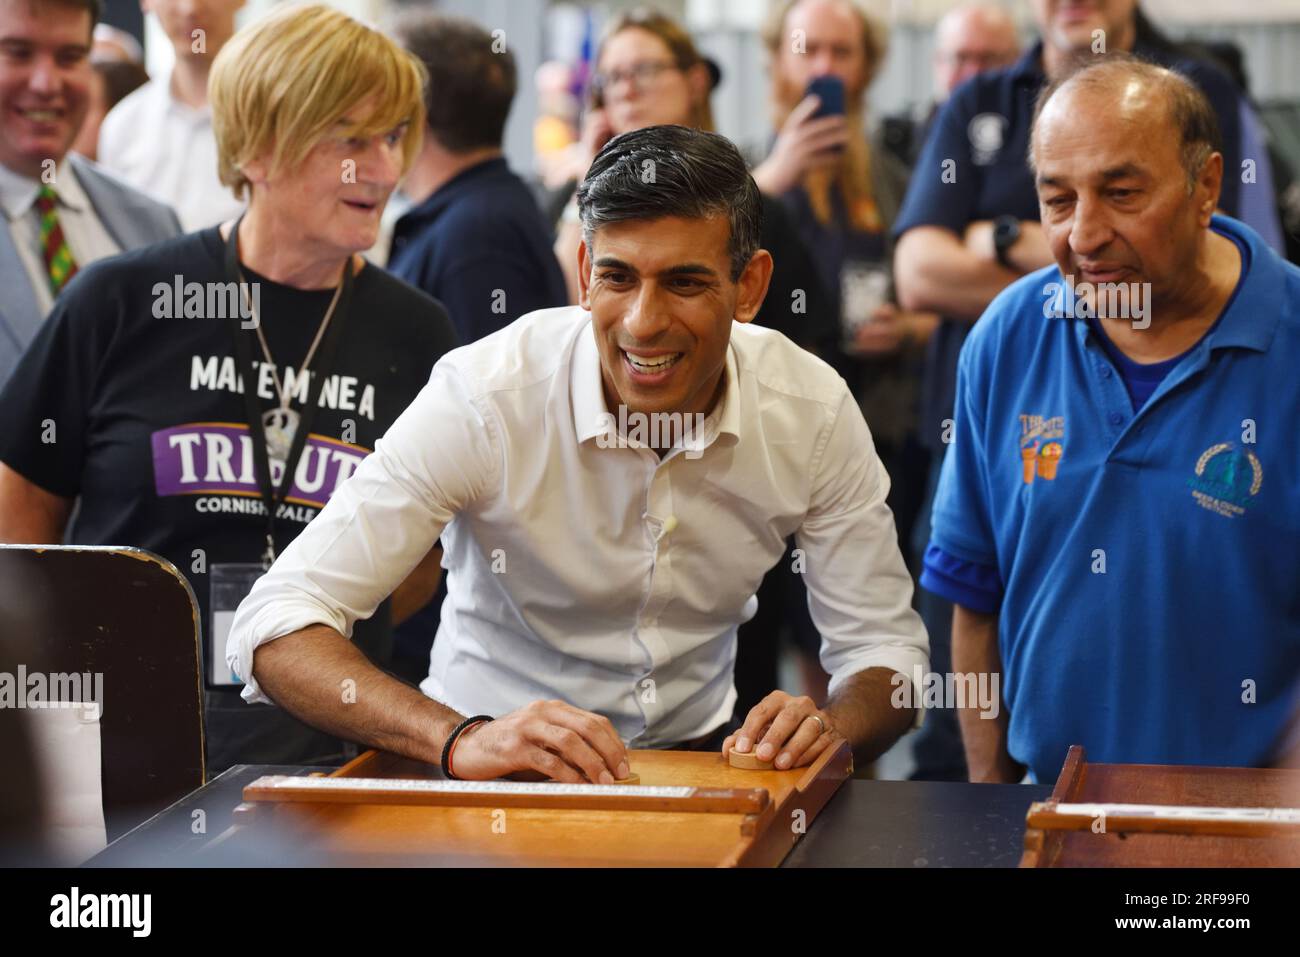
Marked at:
<point>595,584</point>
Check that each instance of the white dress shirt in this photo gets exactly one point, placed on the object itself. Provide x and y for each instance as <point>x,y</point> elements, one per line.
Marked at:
<point>167,149</point>
<point>566,578</point>
<point>85,235</point>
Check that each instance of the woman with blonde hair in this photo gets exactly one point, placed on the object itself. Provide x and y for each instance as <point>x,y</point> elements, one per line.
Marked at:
<point>213,391</point>
<point>649,73</point>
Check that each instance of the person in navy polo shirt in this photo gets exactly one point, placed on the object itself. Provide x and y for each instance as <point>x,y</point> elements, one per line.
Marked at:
<point>475,239</point>
<point>1118,517</point>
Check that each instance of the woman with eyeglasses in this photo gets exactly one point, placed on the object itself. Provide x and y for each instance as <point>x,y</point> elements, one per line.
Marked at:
<point>649,73</point>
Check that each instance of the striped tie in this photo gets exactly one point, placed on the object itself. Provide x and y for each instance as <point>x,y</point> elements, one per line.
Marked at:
<point>58,257</point>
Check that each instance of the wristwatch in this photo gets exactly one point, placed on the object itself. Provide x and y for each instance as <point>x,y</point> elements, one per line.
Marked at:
<point>1006,230</point>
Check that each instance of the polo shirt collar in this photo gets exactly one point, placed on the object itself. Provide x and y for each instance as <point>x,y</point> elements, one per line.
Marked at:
<point>1030,64</point>
<point>1254,314</point>
<point>18,192</point>
<point>592,417</point>
<point>444,194</point>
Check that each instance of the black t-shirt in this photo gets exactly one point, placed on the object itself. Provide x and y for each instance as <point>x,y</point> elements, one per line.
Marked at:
<point>135,371</point>
<point>815,326</point>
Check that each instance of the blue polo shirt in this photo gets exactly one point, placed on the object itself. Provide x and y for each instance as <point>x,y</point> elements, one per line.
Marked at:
<point>1148,559</point>
<point>480,246</point>
<point>980,140</point>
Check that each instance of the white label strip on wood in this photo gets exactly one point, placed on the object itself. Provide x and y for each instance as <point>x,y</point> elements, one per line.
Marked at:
<point>1280,815</point>
<point>470,787</point>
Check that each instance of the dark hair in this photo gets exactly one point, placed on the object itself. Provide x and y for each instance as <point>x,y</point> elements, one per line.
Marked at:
<point>94,7</point>
<point>471,78</point>
<point>663,171</point>
<point>121,77</point>
<point>1189,110</point>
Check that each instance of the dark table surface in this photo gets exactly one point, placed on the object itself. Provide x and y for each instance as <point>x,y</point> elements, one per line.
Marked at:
<point>919,824</point>
<point>866,824</point>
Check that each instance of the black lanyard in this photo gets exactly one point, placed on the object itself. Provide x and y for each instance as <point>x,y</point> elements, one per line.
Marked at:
<point>273,497</point>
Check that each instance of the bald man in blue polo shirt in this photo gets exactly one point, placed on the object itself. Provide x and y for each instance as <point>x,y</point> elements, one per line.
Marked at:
<point>1118,517</point>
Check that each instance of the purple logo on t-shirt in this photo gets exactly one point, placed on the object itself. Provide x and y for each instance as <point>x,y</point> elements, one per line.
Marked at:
<point>204,458</point>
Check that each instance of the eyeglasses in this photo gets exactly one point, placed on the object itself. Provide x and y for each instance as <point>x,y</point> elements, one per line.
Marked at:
<point>640,74</point>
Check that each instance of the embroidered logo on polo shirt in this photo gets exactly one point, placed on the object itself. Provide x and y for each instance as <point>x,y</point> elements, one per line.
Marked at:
<point>1227,479</point>
<point>1041,446</point>
<point>987,132</point>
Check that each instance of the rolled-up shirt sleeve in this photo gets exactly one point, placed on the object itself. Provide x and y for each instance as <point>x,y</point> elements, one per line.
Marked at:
<point>435,460</point>
<point>859,590</point>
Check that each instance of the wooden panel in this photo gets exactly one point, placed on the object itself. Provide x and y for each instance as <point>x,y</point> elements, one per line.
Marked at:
<point>130,616</point>
<point>500,836</point>
<point>1072,842</point>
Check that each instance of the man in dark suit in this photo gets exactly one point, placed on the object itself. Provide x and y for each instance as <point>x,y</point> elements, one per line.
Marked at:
<point>61,212</point>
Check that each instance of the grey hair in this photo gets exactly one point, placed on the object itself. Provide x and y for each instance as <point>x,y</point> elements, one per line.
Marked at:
<point>1190,111</point>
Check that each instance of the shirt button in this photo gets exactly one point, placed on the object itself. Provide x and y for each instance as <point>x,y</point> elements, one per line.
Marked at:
<point>1116,418</point>
<point>1105,372</point>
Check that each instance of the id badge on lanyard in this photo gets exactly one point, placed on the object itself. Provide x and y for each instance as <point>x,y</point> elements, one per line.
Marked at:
<point>864,288</point>
<point>229,585</point>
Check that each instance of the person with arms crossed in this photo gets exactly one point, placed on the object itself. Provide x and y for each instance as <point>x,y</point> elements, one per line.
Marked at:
<point>597,572</point>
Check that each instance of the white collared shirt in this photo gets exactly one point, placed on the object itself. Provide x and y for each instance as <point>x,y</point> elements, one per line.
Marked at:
<point>85,235</point>
<point>566,577</point>
<point>167,149</point>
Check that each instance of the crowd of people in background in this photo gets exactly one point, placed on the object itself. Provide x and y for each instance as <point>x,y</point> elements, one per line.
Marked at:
<point>110,178</point>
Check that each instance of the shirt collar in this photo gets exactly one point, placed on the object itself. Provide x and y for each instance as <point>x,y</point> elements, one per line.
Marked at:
<point>165,100</point>
<point>18,192</point>
<point>1030,64</point>
<point>592,417</point>
<point>444,194</point>
<point>1254,311</point>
